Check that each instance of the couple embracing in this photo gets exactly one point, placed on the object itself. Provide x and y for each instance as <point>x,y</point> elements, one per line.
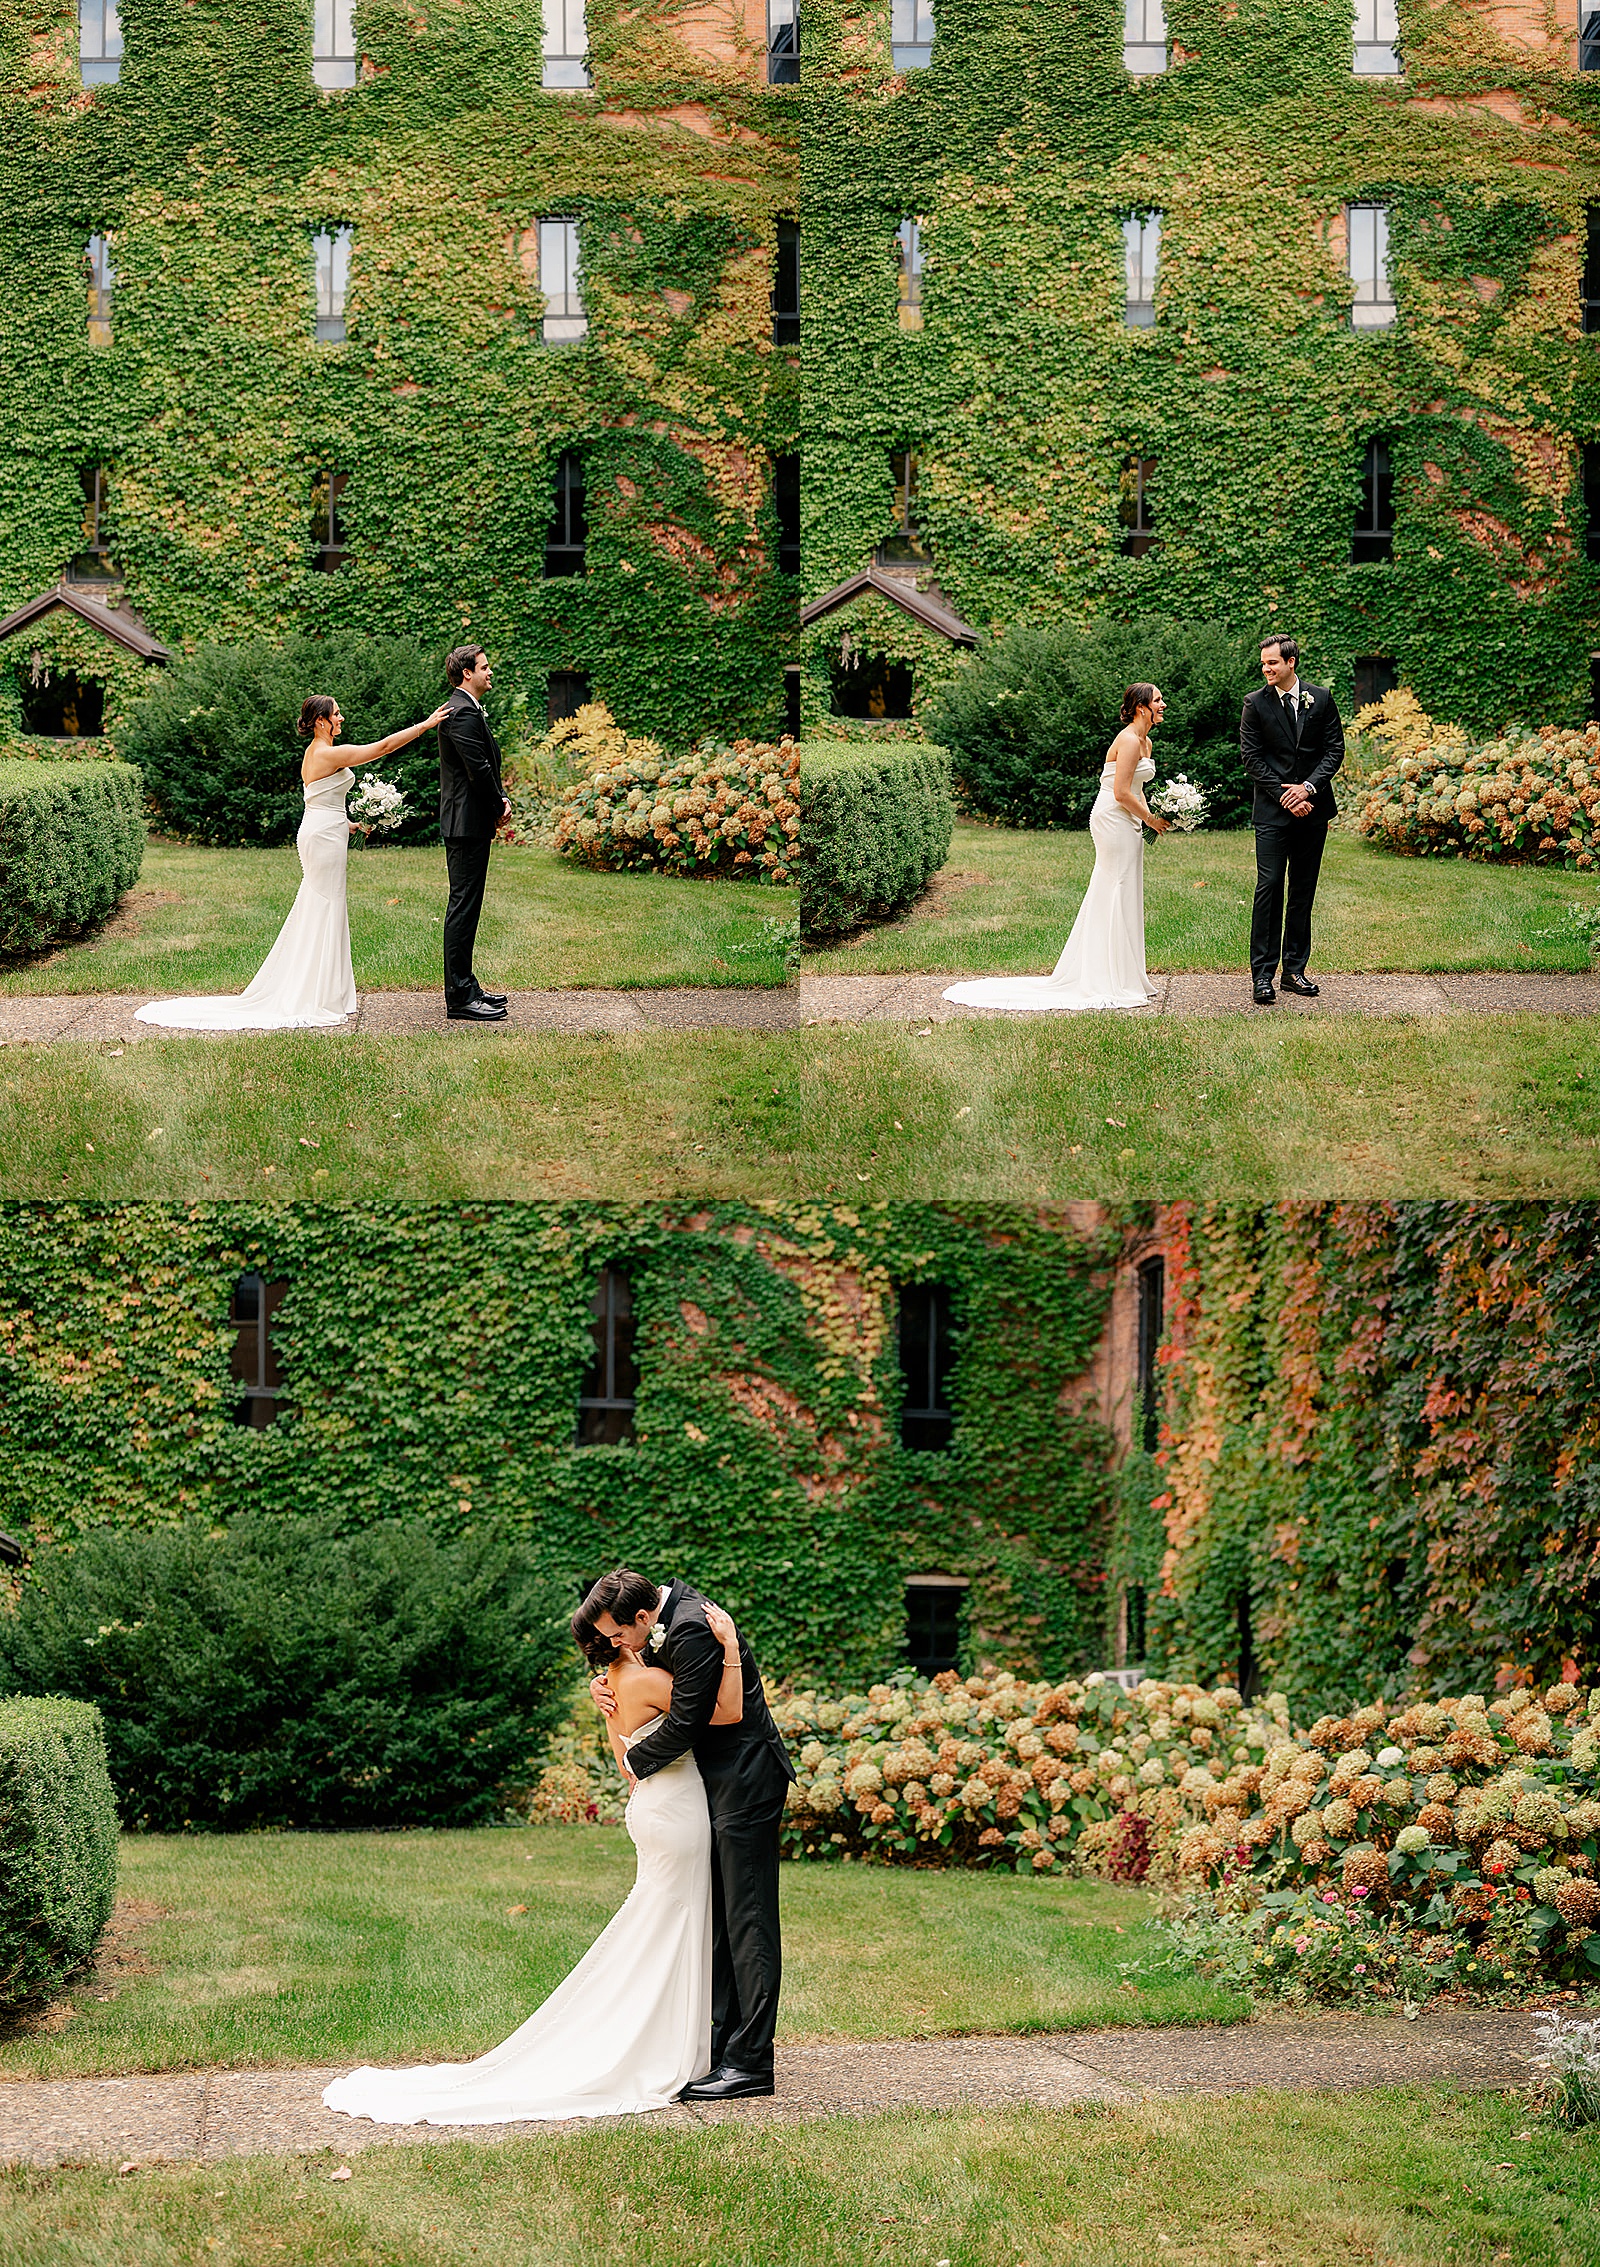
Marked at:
<point>677,2000</point>
<point>1291,744</point>
<point>307,981</point>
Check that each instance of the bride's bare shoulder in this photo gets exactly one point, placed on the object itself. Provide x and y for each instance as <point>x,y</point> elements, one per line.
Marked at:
<point>642,1690</point>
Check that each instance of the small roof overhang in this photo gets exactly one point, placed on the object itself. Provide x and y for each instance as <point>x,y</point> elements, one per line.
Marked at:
<point>117,623</point>
<point>923,606</point>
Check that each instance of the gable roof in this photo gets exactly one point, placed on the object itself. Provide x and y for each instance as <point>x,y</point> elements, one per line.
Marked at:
<point>118,623</point>
<point>924,606</point>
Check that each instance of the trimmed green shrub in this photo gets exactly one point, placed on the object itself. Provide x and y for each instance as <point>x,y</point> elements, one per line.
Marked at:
<point>875,826</point>
<point>216,735</point>
<point>71,841</point>
<point>58,1843</point>
<point>1028,723</point>
<point>282,1673</point>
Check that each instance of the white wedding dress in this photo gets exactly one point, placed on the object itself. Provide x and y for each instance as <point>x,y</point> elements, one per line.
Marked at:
<point>306,980</point>
<point>1102,962</point>
<point>626,2030</point>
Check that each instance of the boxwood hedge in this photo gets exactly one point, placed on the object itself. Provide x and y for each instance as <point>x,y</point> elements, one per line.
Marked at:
<point>58,1843</point>
<point>875,825</point>
<point>71,841</point>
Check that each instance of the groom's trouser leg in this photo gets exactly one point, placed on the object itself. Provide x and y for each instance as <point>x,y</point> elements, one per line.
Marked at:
<point>1266,914</point>
<point>467,864</point>
<point>1306,841</point>
<point>746,1946</point>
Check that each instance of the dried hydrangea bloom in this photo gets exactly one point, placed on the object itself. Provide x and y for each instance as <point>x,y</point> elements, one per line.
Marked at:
<point>1578,1903</point>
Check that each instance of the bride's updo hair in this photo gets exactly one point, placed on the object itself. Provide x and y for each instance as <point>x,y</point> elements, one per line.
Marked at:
<point>1135,698</point>
<point>318,709</point>
<point>623,1595</point>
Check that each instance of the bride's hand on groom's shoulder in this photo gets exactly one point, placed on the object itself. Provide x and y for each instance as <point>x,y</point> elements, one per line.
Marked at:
<point>601,1694</point>
<point>721,1625</point>
<point>438,716</point>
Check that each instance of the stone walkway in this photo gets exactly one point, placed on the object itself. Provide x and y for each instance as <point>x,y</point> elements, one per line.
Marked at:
<point>918,999</point>
<point>230,2113</point>
<point>108,1017</point>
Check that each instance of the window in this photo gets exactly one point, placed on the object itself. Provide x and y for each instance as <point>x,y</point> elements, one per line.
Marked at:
<point>1375,675</point>
<point>607,1396</point>
<point>933,1622</point>
<point>1152,1306</point>
<point>905,542</point>
<point>63,706</point>
<point>1594,685</point>
<point>926,1362</point>
<point>568,535</point>
<point>786,504</point>
<point>1591,499</point>
<point>566,44</point>
<point>871,685</point>
<point>1134,1600</point>
<point>1144,38</point>
<point>1133,509</point>
<point>333,43</point>
<point>786,285</point>
<point>1374,535</point>
<point>99,43</point>
<point>330,252</point>
<point>1589,39</point>
<point>93,562</point>
<point>1368,227</point>
<point>561,283</point>
<point>102,283</point>
<point>911,34</point>
<point>791,700</point>
<point>783,43</point>
<point>1245,1681</point>
<point>1141,256</point>
<point>1589,289</point>
<point>566,691</point>
<point>254,1361</point>
<point>908,266</point>
<point>328,548</point>
<point>1377,53</point>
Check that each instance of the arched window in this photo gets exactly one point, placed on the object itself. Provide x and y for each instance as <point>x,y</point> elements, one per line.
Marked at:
<point>254,1361</point>
<point>609,1392</point>
<point>927,1363</point>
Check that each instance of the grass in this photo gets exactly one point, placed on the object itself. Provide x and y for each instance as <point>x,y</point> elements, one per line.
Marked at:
<point>1408,2178</point>
<point>203,921</point>
<point>311,1948</point>
<point>1006,900</point>
<point>1088,1107</point>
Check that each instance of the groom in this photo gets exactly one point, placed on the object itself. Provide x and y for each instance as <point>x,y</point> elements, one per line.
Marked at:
<point>1292,743</point>
<point>746,1770</point>
<point>471,808</point>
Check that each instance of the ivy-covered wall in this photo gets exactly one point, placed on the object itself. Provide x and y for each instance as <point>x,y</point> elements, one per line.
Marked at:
<point>1380,1448</point>
<point>210,165</point>
<point>432,1361</point>
<point>1022,148</point>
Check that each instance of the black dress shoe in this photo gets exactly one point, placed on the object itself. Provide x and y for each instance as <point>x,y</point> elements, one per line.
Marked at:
<point>1264,994</point>
<point>492,999</point>
<point>727,2085</point>
<point>1300,984</point>
<point>476,1011</point>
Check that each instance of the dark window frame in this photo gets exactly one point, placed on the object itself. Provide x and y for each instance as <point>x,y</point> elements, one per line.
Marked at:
<point>329,550</point>
<point>1589,284</point>
<point>783,44</point>
<point>1373,537</point>
<point>785,294</point>
<point>1367,669</point>
<point>786,508</point>
<point>1589,39</point>
<point>940,1599</point>
<point>608,1393</point>
<point>565,692</point>
<point>1134,510</point>
<point>1589,461</point>
<point>1135,1623</point>
<point>566,543</point>
<point>925,1345</point>
<point>256,1366</point>
<point>1152,1290</point>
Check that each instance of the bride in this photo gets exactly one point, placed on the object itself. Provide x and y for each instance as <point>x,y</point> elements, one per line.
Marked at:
<point>307,978</point>
<point>1102,962</point>
<point>631,2025</point>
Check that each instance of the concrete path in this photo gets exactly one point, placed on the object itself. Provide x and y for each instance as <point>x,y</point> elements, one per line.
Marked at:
<point>918,999</point>
<point>107,1018</point>
<point>229,2113</point>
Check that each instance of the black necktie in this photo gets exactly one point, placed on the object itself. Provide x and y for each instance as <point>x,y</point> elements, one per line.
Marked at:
<point>1292,712</point>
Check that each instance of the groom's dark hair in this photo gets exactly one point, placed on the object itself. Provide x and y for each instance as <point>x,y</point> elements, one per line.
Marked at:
<point>1288,647</point>
<point>623,1595</point>
<point>459,660</point>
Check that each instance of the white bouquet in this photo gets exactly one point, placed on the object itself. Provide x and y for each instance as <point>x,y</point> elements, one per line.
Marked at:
<point>1183,803</point>
<point>378,804</point>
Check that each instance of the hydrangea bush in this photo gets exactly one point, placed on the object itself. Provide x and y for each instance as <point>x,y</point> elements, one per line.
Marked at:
<point>1527,797</point>
<point>727,811</point>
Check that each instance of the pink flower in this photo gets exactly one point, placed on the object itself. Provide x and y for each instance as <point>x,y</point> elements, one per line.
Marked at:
<point>1361,1890</point>
<point>1330,1897</point>
<point>1302,1943</point>
<point>1361,1967</point>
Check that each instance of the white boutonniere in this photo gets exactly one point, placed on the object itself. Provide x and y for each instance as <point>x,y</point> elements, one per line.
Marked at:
<point>658,1636</point>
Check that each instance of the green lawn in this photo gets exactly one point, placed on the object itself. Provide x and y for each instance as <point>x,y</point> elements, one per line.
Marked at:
<point>1006,901</point>
<point>308,1948</point>
<point>1089,1107</point>
<point>1404,2178</point>
<point>203,921</point>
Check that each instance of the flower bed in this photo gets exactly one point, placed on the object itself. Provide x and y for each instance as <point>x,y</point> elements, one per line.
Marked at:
<point>729,811</point>
<point>1527,797</point>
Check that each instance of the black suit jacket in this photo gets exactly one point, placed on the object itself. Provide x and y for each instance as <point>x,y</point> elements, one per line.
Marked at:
<point>745,1766</point>
<point>1274,760</point>
<point>470,797</point>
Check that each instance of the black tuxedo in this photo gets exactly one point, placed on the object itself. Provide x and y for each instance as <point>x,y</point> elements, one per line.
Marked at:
<point>470,806</point>
<point>747,1772</point>
<point>1279,752</point>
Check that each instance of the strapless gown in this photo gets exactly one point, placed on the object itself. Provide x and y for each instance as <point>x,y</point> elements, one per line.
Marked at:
<point>628,2027</point>
<point>307,979</point>
<point>1102,962</point>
